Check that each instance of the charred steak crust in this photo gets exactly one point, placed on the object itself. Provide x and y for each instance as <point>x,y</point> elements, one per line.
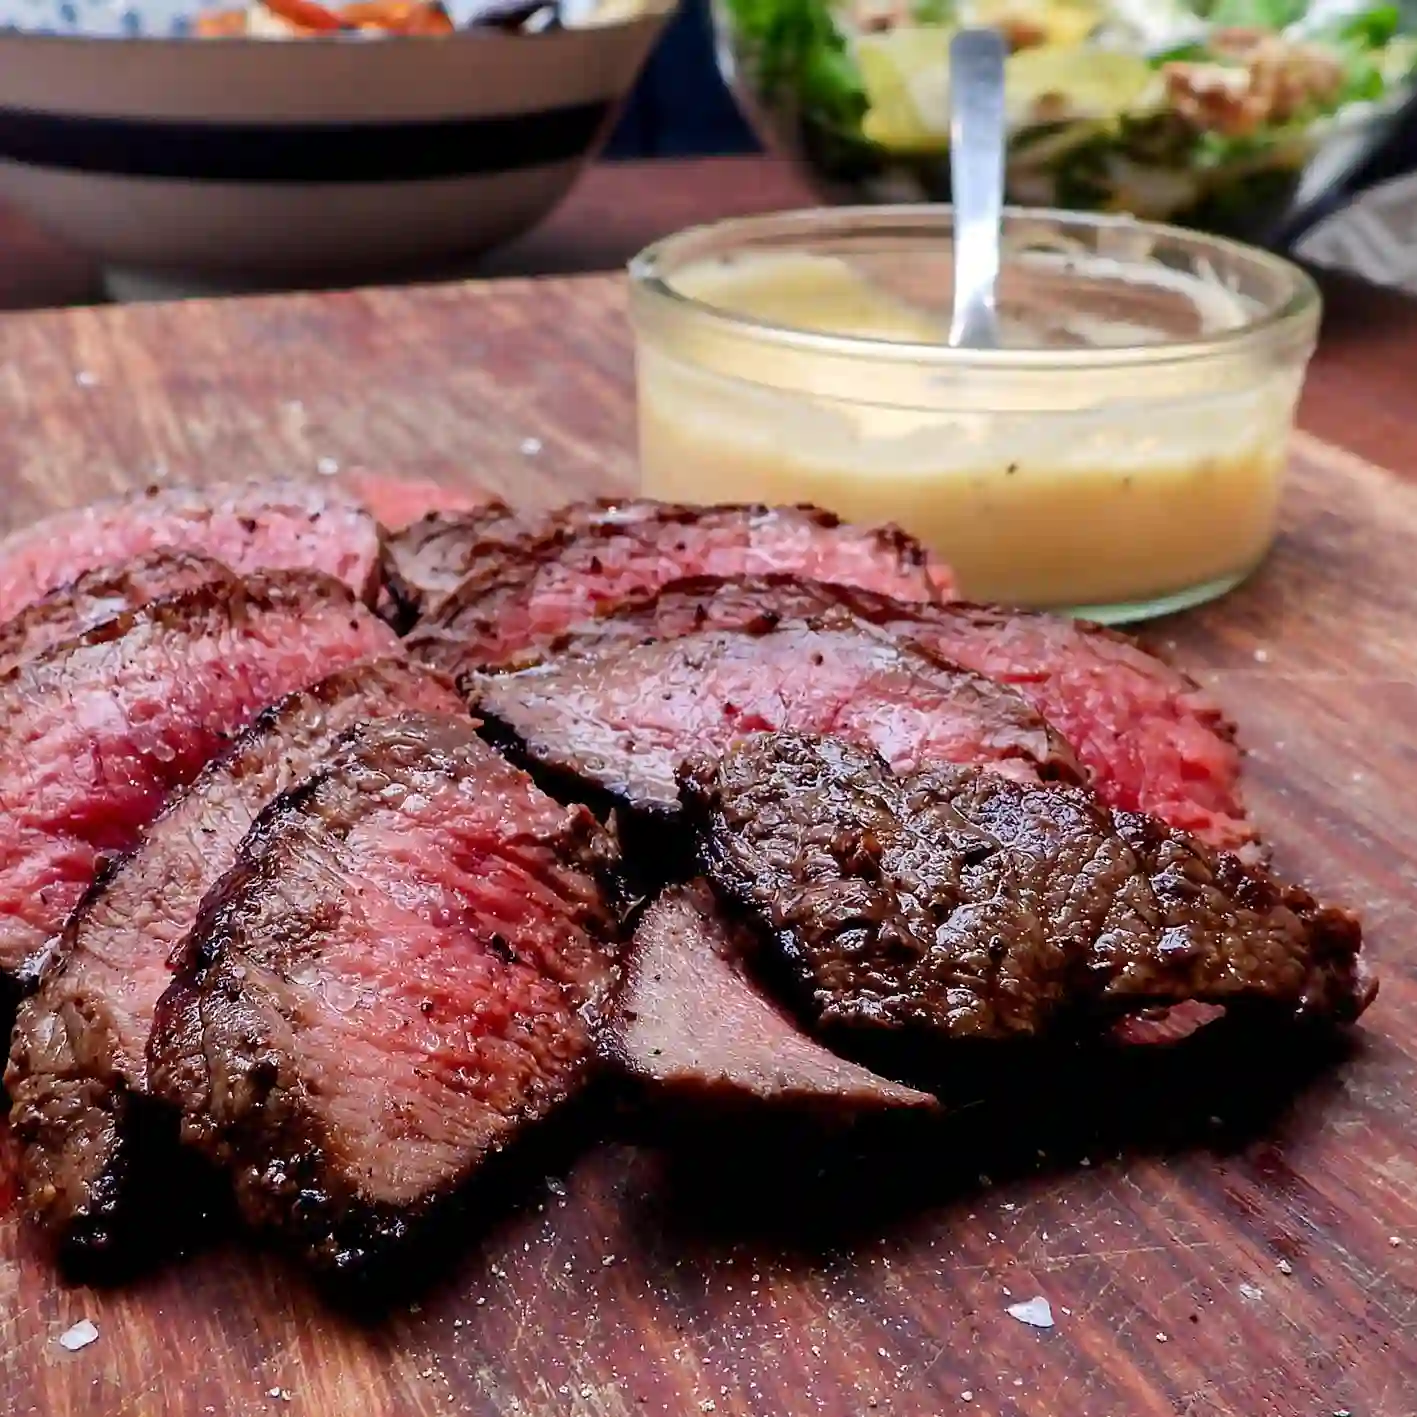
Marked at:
<point>250,526</point>
<point>612,725</point>
<point>689,1022</point>
<point>78,1070</point>
<point>953,903</point>
<point>100,594</point>
<point>518,597</point>
<point>97,732</point>
<point>401,971</point>
<point>429,558</point>
<point>1151,738</point>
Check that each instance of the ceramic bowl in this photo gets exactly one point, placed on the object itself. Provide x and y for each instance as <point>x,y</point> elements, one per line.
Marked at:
<point>185,165</point>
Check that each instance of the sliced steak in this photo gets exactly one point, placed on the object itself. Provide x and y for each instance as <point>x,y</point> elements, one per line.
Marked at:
<point>402,970</point>
<point>249,526</point>
<point>952,903</point>
<point>101,594</point>
<point>430,557</point>
<point>689,1021</point>
<point>96,733</point>
<point>78,1068</point>
<point>619,721</point>
<point>517,599</point>
<point>1151,739</point>
<point>397,500</point>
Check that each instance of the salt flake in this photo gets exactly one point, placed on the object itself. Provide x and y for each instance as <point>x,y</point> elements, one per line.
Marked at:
<point>80,1336</point>
<point>531,447</point>
<point>326,467</point>
<point>1036,1312</point>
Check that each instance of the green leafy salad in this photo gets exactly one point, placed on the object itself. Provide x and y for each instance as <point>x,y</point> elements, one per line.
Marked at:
<point>1201,111</point>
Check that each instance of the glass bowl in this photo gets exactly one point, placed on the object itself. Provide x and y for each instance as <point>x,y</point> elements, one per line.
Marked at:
<point>1120,455</point>
<point>1138,106</point>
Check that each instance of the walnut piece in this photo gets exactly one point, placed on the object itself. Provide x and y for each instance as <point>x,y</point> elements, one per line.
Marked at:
<point>1264,81</point>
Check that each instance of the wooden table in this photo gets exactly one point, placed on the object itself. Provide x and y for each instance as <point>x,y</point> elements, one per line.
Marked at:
<point>1240,1240</point>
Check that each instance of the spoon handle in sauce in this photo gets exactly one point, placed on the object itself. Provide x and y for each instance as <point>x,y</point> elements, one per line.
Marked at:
<point>976,182</point>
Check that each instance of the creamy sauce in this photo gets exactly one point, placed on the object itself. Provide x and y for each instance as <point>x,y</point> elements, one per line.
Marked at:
<point>1090,500</point>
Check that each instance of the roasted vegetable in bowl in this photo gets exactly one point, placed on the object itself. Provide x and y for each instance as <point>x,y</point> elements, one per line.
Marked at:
<point>304,19</point>
<point>1206,113</point>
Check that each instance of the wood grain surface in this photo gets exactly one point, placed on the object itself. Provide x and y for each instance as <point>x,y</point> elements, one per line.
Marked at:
<point>1228,1230</point>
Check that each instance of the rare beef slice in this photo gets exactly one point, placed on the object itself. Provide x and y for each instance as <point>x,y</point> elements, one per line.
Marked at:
<point>1151,739</point>
<point>517,598</point>
<point>99,595</point>
<point>430,557</point>
<point>402,971</point>
<point>97,733</point>
<point>690,1022</point>
<point>614,723</point>
<point>77,1078</point>
<point>248,526</point>
<point>951,903</point>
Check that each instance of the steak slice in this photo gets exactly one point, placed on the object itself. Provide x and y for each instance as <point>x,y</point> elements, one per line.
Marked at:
<point>519,598</point>
<point>1151,739</point>
<point>78,1067</point>
<point>430,557</point>
<point>952,903</point>
<point>398,500</point>
<point>96,733</point>
<point>619,721</point>
<point>689,1021</point>
<point>99,595</point>
<point>249,526</point>
<point>403,969</point>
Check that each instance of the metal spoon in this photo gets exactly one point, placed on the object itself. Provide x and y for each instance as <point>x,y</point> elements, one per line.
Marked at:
<point>976,182</point>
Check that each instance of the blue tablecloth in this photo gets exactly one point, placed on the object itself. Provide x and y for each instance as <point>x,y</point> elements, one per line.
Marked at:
<point>680,108</point>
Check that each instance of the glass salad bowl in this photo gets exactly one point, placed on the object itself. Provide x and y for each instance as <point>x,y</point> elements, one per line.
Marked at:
<point>1227,115</point>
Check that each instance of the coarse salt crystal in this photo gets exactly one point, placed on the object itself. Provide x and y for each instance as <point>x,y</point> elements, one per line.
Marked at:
<point>86,378</point>
<point>1161,1338</point>
<point>967,1395</point>
<point>80,1336</point>
<point>1261,656</point>
<point>1036,1312</point>
<point>1394,1240</point>
<point>1251,1291</point>
<point>326,467</point>
<point>1285,1267</point>
<point>530,447</point>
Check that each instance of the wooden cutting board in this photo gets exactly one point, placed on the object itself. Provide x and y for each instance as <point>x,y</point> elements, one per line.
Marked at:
<point>1239,1239</point>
